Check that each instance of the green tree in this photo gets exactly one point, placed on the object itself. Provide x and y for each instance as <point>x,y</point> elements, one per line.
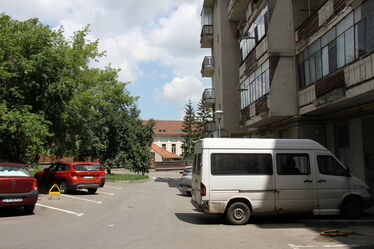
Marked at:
<point>190,130</point>
<point>203,116</point>
<point>51,100</point>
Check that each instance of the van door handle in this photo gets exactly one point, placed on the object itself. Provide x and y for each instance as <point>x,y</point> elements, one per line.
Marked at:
<point>308,181</point>
<point>322,180</point>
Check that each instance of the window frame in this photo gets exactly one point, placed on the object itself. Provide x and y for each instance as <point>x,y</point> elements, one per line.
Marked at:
<point>293,153</point>
<point>269,154</point>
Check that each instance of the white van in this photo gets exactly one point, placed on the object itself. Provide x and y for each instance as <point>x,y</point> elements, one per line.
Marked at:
<point>241,177</point>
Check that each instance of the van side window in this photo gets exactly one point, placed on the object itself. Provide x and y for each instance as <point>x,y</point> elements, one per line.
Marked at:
<point>293,164</point>
<point>328,165</point>
<point>241,164</point>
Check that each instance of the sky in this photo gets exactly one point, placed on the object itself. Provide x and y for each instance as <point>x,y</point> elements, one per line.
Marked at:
<point>155,43</point>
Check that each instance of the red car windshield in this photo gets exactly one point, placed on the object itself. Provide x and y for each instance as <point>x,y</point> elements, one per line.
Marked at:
<point>86,167</point>
<point>10,170</point>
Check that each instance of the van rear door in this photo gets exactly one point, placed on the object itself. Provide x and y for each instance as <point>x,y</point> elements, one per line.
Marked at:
<point>196,179</point>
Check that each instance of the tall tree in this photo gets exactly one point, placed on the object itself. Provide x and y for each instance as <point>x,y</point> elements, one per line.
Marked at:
<point>51,100</point>
<point>190,131</point>
<point>203,116</point>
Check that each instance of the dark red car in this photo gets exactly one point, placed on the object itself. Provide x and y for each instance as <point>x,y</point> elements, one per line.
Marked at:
<point>17,187</point>
<point>71,175</point>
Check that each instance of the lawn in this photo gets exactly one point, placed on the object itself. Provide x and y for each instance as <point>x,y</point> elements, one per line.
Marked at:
<point>125,177</point>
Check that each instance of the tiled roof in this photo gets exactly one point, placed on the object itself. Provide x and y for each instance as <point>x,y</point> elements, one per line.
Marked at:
<point>164,153</point>
<point>168,127</point>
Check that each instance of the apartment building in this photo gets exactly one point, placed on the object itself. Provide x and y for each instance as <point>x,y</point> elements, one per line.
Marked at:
<point>297,69</point>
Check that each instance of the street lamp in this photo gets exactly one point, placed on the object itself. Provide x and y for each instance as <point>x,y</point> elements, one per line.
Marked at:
<point>219,115</point>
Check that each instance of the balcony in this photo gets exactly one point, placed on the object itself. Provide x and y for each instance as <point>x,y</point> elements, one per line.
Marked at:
<point>207,68</point>
<point>208,2</point>
<point>210,126</point>
<point>237,9</point>
<point>209,98</point>
<point>206,37</point>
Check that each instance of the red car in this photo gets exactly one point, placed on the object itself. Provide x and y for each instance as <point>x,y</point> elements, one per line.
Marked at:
<point>17,187</point>
<point>102,174</point>
<point>71,175</point>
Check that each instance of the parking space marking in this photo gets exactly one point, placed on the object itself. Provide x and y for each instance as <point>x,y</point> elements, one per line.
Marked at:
<point>105,193</point>
<point>293,246</point>
<point>83,199</point>
<point>61,210</point>
<point>111,187</point>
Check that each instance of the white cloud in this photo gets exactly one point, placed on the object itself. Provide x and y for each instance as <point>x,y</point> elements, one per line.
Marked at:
<point>180,90</point>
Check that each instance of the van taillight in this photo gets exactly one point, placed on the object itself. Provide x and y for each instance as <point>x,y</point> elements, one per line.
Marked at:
<point>35,185</point>
<point>202,189</point>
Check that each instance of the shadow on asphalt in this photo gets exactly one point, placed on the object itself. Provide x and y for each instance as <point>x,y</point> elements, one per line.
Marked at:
<point>360,236</point>
<point>201,219</point>
<point>172,182</point>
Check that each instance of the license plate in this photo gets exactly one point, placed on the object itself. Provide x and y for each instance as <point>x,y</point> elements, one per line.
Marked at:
<point>87,177</point>
<point>12,200</point>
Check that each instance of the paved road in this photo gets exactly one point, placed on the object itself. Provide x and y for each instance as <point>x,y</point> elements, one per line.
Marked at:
<point>154,214</point>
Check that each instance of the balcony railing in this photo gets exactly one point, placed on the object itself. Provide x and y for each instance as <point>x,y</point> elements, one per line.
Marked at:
<point>206,37</point>
<point>209,98</point>
<point>207,67</point>
<point>210,126</point>
<point>237,9</point>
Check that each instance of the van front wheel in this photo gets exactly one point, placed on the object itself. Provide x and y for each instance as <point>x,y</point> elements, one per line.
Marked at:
<point>238,213</point>
<point>351,208</point>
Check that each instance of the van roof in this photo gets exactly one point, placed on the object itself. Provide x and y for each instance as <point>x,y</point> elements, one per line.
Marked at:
<point>261,143</point>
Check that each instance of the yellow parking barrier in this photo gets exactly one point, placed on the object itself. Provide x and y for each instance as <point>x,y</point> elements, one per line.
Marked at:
<point>52,191</point>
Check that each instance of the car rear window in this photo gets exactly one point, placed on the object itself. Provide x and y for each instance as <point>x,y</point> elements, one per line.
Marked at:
<point>86,167</point>
<point>9,170</point>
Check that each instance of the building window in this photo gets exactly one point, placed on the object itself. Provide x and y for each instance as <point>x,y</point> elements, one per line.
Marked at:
<point>255,86</point>
<point>350,39</point>
<point>174,148</point>
<point>254,34</point>
<point>163,146</point>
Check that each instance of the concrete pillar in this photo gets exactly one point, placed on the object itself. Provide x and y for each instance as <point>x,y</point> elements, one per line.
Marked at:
<point>356,148</point>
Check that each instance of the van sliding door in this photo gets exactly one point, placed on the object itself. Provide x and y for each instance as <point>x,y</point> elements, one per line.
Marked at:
<point>294,182</point>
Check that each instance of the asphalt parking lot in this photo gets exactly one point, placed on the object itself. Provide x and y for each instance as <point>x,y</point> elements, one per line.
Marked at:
<point>154,214</point>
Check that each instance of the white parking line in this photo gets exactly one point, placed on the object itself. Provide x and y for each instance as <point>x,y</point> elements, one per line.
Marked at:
<point>328,246</point>
<point>105,193</point>
<point>59,209</point>
<point>78,198</point>
<point>111,187</point>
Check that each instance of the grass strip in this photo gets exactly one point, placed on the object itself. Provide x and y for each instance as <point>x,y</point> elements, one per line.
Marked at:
<point>125,177</point>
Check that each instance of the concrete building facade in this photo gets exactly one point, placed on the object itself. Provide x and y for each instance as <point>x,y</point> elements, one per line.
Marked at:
<point>295,69</point>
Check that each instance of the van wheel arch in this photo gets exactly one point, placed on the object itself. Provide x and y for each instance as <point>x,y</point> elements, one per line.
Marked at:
<point>244,200</point>
<point>352,206</point>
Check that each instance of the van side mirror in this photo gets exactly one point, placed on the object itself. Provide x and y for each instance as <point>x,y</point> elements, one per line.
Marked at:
<point>348,172</point>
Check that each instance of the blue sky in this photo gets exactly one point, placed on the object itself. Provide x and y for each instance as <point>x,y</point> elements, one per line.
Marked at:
<point>155,44</point>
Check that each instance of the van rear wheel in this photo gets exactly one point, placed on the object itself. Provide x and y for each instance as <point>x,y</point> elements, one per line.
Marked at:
<point>238,213</point>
